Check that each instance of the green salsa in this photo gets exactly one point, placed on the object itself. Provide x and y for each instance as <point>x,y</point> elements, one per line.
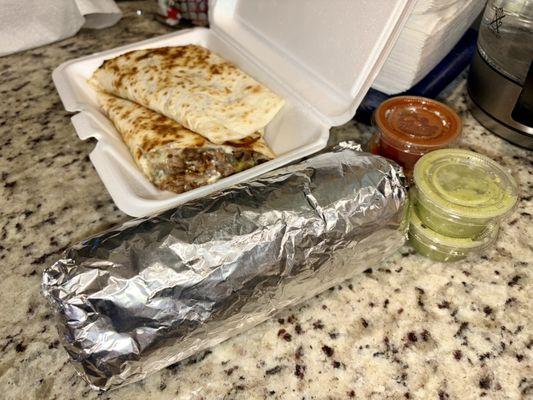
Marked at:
<point>460,192</point>
<point>443,248</point>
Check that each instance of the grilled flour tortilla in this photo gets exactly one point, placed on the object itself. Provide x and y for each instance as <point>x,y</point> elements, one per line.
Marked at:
<point>194,87</point>
<point>173,157</point>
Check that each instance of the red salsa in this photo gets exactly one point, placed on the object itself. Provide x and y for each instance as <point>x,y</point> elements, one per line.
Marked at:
<point>407,127</point>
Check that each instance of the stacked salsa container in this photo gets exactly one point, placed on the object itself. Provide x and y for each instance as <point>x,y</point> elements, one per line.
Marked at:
<point>458,200</point>
<point>458,197</point>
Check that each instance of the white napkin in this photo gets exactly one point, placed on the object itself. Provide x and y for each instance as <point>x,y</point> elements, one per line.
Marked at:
<point>429,6</point>
<point>25,24</point>
<point>425,40</point>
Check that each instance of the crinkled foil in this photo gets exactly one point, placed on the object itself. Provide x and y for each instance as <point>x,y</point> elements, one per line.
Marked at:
<point>157,290</point>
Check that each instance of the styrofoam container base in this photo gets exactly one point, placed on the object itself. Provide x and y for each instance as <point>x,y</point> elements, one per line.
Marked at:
<point>292,134</point>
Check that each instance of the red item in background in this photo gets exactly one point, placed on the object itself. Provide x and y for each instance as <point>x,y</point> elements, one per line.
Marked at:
<point>410,126</point>
<point>172,11</point>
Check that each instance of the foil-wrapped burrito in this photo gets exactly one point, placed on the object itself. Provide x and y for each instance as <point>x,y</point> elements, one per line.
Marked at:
<point>157,290</point>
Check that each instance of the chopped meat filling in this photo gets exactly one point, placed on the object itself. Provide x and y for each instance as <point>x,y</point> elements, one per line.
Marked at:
<point>180,170</point>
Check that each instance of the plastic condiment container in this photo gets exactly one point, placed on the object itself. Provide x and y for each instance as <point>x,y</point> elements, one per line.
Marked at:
<point>444,248</point>
<point>407,127</point>
<point>459,192</point>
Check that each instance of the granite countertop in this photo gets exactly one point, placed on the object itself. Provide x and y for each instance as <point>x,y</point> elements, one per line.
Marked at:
<point>407,329</point>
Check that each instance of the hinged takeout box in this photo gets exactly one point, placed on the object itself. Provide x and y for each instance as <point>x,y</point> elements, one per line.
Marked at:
<point>320,56</point>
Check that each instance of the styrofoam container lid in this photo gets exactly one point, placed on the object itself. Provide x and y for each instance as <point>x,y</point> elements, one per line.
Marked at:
<point>320,56</point>
<point>328,51</point>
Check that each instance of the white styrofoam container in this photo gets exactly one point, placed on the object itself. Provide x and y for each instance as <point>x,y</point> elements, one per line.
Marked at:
<point>320,56</point>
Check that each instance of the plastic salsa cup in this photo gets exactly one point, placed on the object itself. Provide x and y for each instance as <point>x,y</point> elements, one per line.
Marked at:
<point>459,192</point>
<point>407,127</point>
<point>442,248</point>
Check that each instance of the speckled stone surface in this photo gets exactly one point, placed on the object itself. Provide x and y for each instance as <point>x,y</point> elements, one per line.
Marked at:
<point>408,329</point>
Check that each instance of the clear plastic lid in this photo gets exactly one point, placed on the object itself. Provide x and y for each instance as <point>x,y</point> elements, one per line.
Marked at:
<point>417,124</point>
<point>442,243</point>
<point>465,184</point>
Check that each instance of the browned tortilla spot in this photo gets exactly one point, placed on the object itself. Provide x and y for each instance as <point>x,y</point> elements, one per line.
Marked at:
<point>198,141</point>
<point>118,82</point>
<point>164,129</point>
<point>149,144</point>
<point>160,119</point>
<point>143,56</point>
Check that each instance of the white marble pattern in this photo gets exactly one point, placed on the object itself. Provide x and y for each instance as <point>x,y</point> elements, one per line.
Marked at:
<point>408,329</point>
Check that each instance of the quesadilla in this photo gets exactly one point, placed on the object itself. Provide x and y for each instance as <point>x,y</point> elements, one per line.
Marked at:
<point>171,156</point>
<point>194,87</point>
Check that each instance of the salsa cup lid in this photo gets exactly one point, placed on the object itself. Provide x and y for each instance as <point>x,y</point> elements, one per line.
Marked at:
<point>442,243</point>
<point>417,124</point>
<point>464,184</point>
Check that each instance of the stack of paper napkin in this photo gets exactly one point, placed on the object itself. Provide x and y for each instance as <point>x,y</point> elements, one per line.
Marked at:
<point>428,36</point>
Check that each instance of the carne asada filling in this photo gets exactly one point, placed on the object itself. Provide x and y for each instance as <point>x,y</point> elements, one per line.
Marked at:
<point>180,170</point>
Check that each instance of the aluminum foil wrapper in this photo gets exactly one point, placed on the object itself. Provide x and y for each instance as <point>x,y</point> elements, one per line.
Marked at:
<point>156,290</point>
